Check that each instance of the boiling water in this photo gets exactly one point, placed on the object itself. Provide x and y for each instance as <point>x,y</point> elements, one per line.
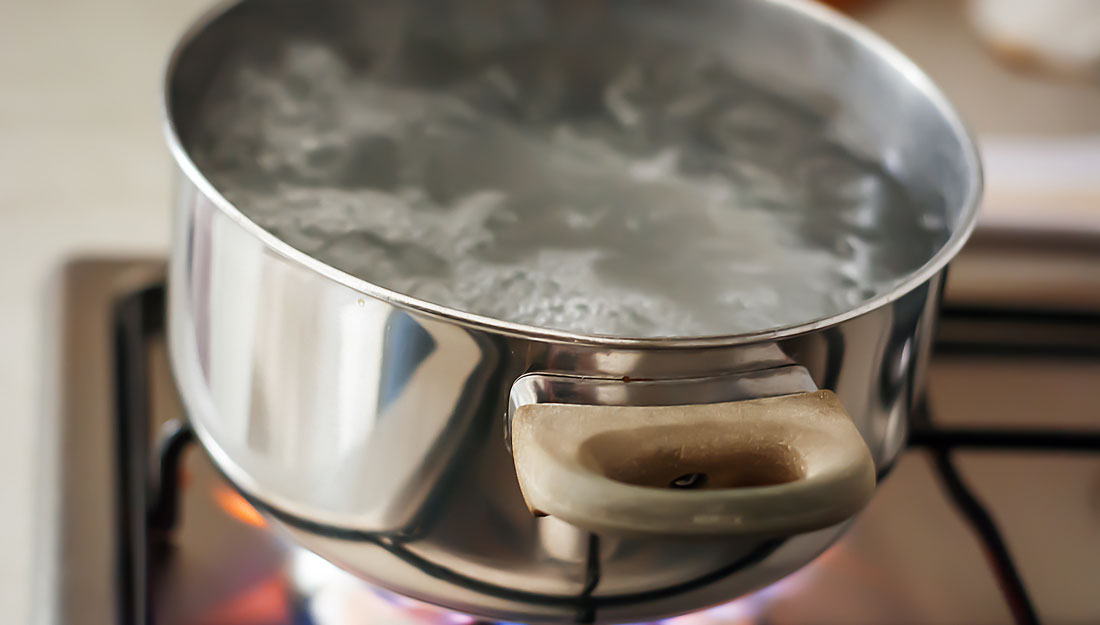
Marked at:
<point>660,198</point>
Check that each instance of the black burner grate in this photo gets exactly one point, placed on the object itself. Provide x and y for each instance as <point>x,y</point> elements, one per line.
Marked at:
<point>148,502</point>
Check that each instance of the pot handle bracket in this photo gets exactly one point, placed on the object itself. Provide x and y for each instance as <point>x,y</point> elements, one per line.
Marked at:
<point>758,454</point>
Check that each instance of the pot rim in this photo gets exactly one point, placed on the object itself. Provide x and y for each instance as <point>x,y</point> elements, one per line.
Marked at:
<point>823,15</point>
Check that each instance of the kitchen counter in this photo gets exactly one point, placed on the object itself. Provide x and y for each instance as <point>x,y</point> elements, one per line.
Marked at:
<point>83,168</point>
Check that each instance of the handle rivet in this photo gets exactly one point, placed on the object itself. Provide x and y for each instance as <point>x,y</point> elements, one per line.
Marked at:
<point>689,480</point>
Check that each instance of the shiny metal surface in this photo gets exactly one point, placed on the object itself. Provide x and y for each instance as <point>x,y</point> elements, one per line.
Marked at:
<point>541,388</point>
<point>372,425</point>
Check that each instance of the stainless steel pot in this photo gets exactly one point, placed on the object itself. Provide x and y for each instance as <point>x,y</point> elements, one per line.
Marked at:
<point>521,473</point>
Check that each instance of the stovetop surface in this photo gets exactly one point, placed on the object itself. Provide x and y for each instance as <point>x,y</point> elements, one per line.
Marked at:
<point>909,558</point>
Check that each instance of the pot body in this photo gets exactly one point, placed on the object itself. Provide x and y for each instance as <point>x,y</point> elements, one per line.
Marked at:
<point>377,435</point>
<point>375,431</point>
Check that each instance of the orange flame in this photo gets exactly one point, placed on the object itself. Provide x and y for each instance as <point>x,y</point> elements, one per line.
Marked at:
<point>264,602</point>
<point>237,507</point>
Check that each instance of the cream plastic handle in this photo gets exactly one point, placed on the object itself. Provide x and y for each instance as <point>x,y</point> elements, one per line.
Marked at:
<point>773,466</point>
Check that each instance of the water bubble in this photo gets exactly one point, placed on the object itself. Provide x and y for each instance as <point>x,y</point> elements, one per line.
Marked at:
<point>933,221</point>
<point>618,95</point>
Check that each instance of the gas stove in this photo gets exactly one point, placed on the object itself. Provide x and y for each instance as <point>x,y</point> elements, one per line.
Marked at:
<point>990,517</point>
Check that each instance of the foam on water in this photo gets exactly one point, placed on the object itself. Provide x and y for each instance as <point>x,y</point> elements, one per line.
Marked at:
<point>677,200</point>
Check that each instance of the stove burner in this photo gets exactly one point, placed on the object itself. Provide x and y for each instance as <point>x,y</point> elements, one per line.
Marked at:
<point>153,492</point>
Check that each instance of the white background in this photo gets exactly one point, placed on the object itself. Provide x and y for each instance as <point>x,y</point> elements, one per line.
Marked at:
<point>82,168</point>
